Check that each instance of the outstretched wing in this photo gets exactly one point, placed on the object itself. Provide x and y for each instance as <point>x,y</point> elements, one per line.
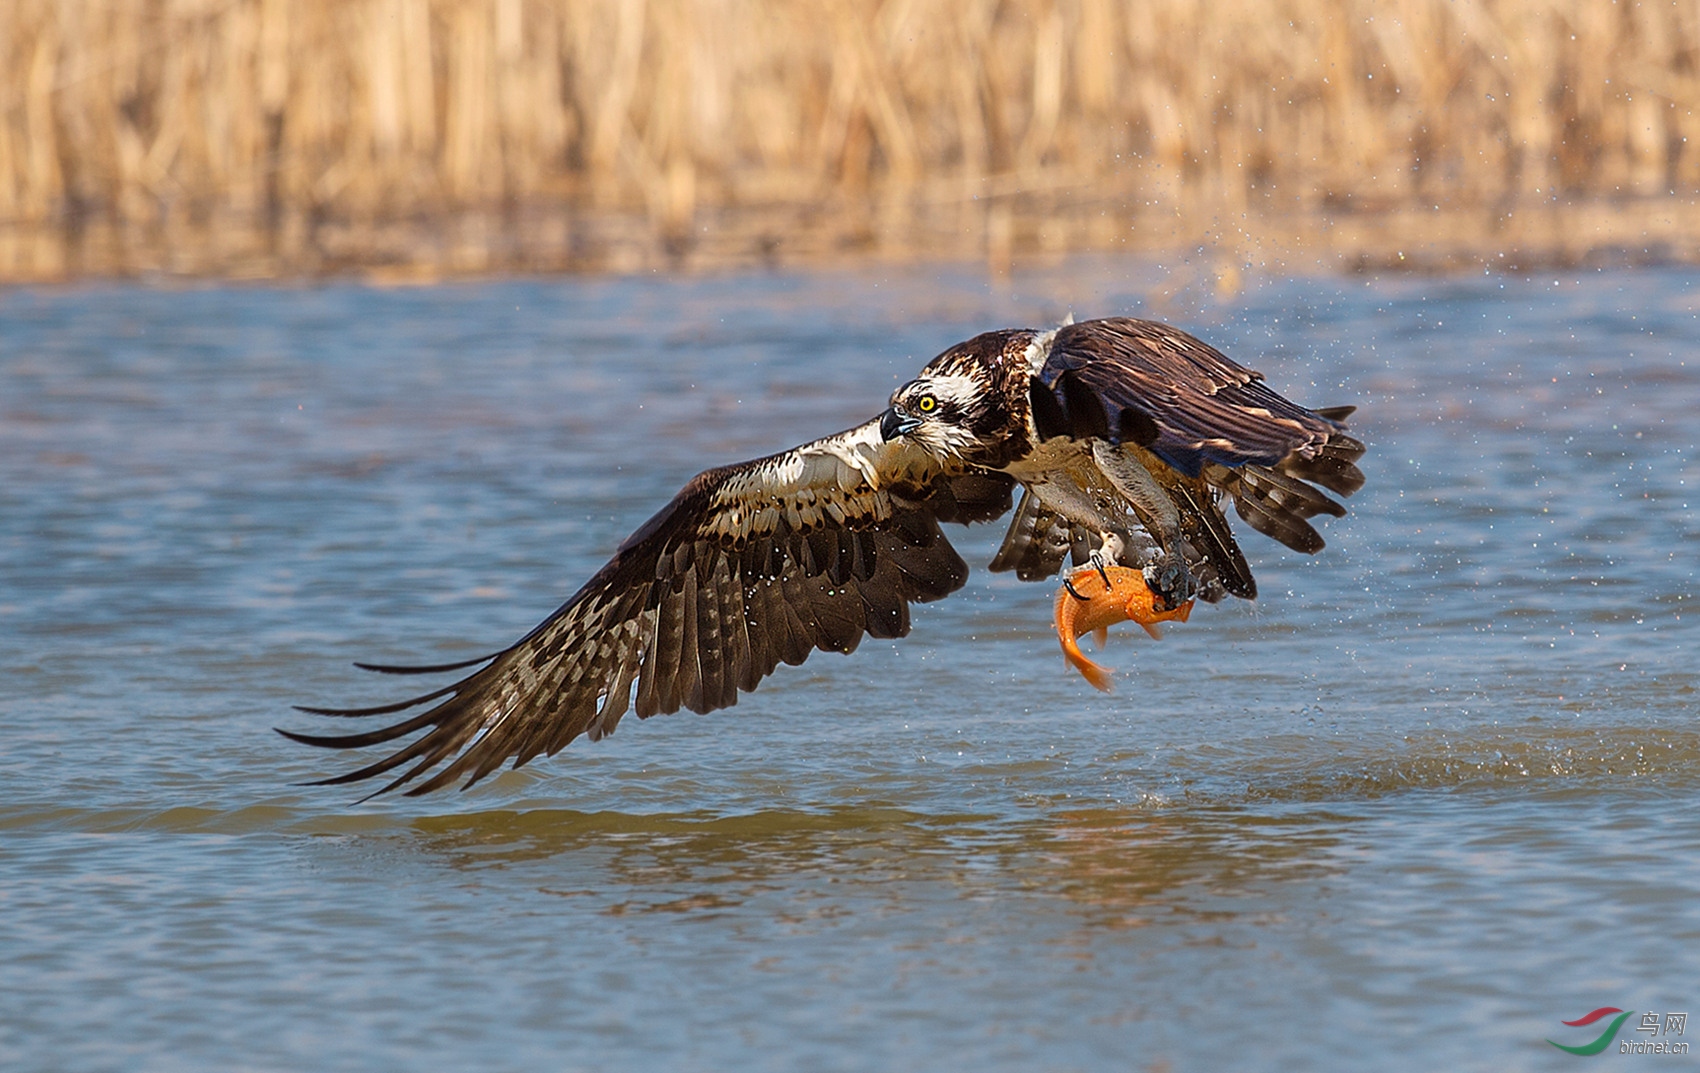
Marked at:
<point>1184,401</point>
<point>749,566</point>
<point>1211,422</point>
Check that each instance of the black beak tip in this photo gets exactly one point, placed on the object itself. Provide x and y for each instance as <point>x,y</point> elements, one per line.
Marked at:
<point>894,423</point>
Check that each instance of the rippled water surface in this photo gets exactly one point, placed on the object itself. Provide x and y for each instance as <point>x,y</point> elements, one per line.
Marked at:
<point>1432,794</point>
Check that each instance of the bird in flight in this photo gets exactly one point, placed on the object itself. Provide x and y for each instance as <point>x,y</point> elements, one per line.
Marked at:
<point>1123,437</point>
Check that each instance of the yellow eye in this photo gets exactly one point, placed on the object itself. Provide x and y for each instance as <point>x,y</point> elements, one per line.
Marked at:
<point>926,404</point>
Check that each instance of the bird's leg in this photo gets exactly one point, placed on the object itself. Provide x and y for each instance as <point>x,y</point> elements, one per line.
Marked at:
<point>1168,578</point>
<point>1108,553</point>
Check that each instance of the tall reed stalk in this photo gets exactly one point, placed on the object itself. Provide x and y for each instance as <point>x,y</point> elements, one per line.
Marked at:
<point>262,136</point>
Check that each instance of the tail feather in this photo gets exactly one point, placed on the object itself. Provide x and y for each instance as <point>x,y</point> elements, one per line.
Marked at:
<point>1333,465</point>
<point>1036,542</point>
<point>1277,506</point>
<point>1276,500</point>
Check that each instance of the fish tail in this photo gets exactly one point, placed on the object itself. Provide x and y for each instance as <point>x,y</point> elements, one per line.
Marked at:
<point>1092,672</point>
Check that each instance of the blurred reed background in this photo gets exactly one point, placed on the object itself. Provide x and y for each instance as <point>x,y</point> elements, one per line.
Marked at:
<point>254,138</point>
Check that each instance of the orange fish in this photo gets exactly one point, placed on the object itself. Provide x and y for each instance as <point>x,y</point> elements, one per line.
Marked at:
<point>1092,600</point>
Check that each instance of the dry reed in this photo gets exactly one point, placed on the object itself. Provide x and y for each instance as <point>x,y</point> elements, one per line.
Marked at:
<point>255,137</point>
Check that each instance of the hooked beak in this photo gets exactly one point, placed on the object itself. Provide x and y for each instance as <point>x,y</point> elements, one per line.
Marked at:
<point>895,423</point>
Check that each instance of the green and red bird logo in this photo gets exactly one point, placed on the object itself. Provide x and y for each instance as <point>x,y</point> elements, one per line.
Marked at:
<point>1605,1037</point>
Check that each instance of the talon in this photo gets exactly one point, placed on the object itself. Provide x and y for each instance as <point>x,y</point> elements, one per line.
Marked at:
<point>1126,596</point>
<point>1170,583</point>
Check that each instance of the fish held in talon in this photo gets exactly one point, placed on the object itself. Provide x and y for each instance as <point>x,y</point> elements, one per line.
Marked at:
<point>1093,598</point>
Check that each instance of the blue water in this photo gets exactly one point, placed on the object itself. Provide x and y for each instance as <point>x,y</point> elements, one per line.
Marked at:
<point>1433,794</point>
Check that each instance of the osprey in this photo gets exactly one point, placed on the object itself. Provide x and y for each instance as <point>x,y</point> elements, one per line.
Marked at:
<point>1123,435</point>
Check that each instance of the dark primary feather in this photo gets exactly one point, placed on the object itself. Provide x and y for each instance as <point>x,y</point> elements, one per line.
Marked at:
<point>421,668</point>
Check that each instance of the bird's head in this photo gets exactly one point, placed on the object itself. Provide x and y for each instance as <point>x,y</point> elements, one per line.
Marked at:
<point>938,414</point>
<point>959,408</point>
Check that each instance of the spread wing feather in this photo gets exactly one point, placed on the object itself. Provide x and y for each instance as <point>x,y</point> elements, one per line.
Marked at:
<point>1192,404</point>
<point>1206,418</point>
<point>748,567</point>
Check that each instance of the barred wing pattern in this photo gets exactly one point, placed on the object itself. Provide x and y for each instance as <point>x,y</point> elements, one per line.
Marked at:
<point>1200,414</point>
<point>748,567</point>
